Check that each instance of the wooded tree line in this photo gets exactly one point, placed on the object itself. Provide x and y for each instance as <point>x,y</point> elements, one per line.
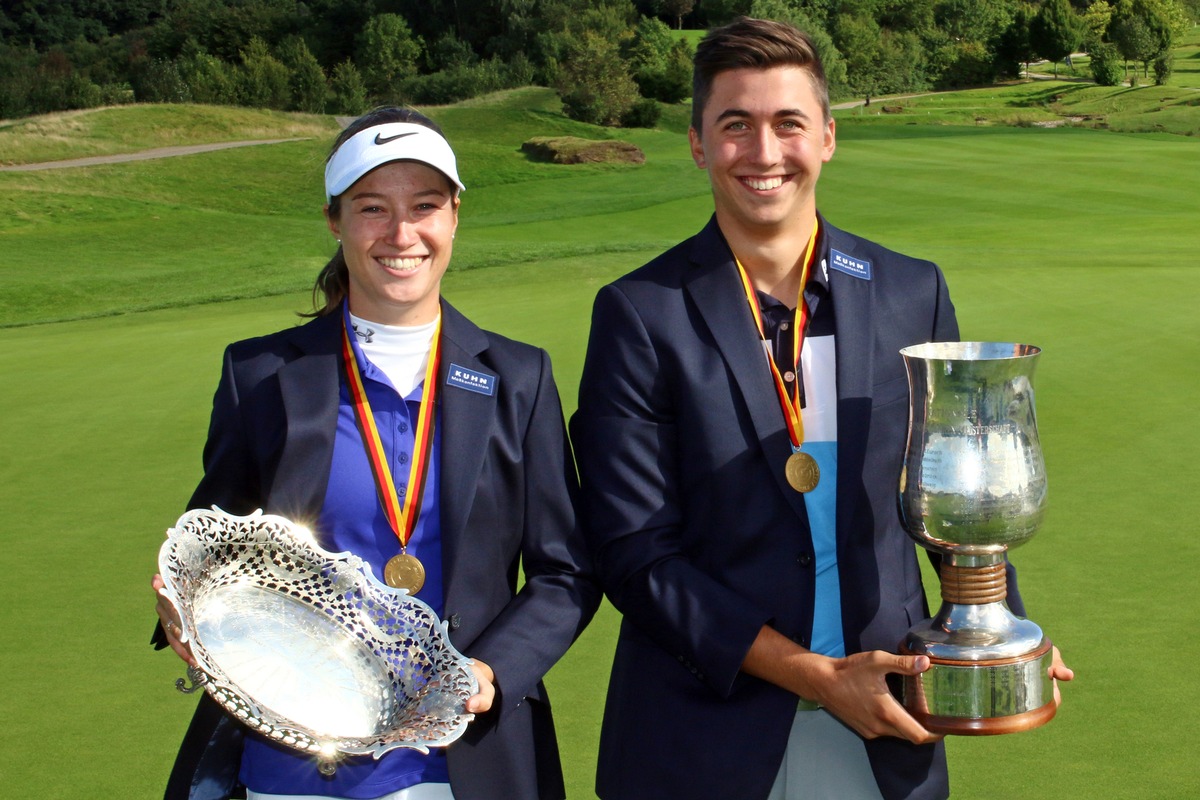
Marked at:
<point>612,61</point>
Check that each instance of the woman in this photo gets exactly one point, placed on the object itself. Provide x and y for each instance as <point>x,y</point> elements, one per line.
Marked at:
<point>468,419</point>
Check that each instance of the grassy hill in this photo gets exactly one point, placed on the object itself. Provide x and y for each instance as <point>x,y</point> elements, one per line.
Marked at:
<point>1076,239</point>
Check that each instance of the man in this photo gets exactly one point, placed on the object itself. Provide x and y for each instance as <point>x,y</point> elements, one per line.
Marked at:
<point>742,500</point>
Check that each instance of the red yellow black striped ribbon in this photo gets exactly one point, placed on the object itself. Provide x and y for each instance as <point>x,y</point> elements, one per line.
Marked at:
<point>402,518</point>
<point>788,401</point>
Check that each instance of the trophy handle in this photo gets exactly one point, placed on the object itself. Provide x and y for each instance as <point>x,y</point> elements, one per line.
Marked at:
<point>196,676</point>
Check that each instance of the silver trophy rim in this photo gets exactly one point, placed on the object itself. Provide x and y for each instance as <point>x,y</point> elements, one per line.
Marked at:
<point>453,677</point>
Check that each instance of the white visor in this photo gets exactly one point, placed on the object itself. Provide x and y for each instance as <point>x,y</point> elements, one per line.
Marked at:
<point>382,144</point>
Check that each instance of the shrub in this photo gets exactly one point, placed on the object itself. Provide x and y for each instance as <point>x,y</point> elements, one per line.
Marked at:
<point>1163,67</point>
<point>449,52</point>
<point>965,64</point>
<point>672,82</point>
<point>1106,65</point>
<point>642,114</point>
<point>209,79</point>
<point>460,83</point>
<point>521,71</point>
<point>155,80</point>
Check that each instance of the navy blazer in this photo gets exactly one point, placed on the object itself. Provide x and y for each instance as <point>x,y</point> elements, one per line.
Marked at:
<point>508,490</point>
<point>699,540</point>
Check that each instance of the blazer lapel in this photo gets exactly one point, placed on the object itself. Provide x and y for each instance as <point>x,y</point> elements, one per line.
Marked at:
<point>854,340</point>
<point>717,291</point>
<point>309,388</point>
<point>852,298</point>
<point>466,420</point>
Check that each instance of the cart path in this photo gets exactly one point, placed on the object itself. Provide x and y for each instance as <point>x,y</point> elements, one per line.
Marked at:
<point>143,155</point>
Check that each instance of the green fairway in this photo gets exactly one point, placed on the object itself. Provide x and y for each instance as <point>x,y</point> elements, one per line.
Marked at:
<point>1079,241</point>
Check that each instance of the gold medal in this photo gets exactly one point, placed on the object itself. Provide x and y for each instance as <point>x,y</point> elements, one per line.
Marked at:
<point>401,571</point>
<point>404,572</point>
<point>802,472</point>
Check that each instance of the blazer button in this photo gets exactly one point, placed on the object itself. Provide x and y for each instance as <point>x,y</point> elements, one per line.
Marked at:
<point>805,559</point>
<point>455,622</point>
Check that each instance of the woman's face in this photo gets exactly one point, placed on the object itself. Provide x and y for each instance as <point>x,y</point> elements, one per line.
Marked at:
<point>396,225</point>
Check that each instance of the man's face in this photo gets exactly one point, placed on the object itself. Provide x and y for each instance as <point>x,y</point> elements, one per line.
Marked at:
<point>763,141</point>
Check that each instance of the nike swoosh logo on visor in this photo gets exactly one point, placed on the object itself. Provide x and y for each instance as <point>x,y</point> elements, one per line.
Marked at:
<point>381,139</point>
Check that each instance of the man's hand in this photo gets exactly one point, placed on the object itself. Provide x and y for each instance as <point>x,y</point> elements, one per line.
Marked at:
<point>1059,672</point>
<point>854,689</point>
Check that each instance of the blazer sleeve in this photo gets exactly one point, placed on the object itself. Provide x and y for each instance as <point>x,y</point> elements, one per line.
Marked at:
<point>230,479</point>
<point>560,592</point>
<point>627,442</point>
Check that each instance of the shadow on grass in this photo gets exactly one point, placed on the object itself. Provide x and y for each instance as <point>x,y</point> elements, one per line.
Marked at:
<point>853,130</point>
<point>1052,94</point>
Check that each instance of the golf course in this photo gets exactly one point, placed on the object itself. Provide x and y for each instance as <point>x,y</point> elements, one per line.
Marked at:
<point>121,284</point>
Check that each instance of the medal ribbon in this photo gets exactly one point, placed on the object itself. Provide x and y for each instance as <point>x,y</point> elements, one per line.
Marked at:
<point>402,518</point>
<point>788,401</point>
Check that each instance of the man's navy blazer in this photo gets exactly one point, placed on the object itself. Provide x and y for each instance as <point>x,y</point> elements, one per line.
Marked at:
<point>508,488</point>
<point>699,540</point>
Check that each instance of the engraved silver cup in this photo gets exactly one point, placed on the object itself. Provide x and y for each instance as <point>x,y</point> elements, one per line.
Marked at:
<point>974,485</point>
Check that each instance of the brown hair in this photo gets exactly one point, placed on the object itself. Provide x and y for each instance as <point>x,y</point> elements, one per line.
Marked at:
<point>748,43</point>
<point>333,281</point>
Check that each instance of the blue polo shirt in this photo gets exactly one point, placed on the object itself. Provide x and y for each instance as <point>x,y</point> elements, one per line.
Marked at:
<point>352,519</point>
<point>818,391</point>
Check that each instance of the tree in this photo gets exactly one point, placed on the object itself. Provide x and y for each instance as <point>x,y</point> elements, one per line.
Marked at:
<point>718,12</point>
<point>795,13</point>
<point>306,78</point>
<point>1055,31</point>
<point>594,84</point>
<point>389,53</point>
<point>262,78</point>
<point>661,63</point>
<point>973,20</point>
<point>1096,20</point>
<point>860,38</point>
<point>349,92</point>
<point>1143,30</point>
<point>678,9</point>
<point>1014,47</point>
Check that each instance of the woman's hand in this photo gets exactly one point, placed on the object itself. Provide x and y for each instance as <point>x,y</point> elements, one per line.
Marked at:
<point>482,701</point>
<point>168,617</point>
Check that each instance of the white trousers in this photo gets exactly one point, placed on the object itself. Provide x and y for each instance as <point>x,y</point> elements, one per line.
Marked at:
<point>825,760</point>
<point>422,791</point>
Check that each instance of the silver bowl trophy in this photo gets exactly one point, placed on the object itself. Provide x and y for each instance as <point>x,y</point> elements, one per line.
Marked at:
<point>307,647</point>
<point>973,485</point>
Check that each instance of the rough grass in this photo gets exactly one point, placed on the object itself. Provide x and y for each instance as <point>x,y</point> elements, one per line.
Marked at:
<point>1047,103</point>
<point>127,129</point>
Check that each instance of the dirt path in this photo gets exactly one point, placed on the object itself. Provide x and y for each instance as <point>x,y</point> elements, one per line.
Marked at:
<point>144,155</point>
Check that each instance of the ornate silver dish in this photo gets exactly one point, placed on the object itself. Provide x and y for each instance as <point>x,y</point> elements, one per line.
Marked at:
<point>307,647</point>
